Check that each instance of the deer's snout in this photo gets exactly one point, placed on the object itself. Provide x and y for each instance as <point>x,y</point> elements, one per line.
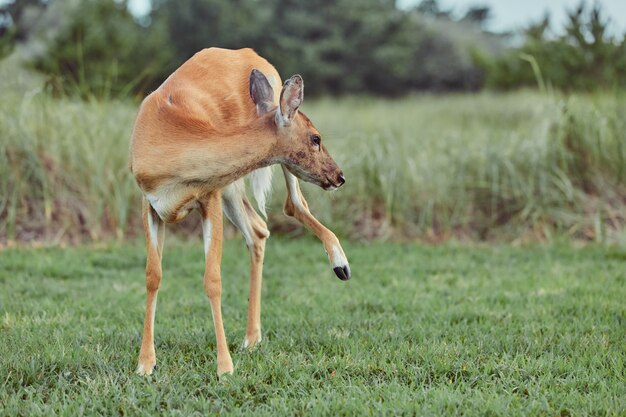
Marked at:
<point>334,181</point>
<point>341,180</point>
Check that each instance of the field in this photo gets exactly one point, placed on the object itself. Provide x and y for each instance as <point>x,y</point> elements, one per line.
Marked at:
<point>429,330</point>
<point>467,327</point>
<point>521,166</point>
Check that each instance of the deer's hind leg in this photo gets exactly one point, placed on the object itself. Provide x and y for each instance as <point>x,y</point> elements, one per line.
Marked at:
<point>254,229</point>
<point>155,232</point>
<point>211,209</point>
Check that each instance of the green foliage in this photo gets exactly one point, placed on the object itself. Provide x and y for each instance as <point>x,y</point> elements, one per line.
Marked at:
<point>480,166</point>
<point>103,52</point>
<point>6,42</point>
<point>63,166</point>
<point>419,330</point>
<point>371,47</point>
<point>11,27</point>
<point>338,46</point>
<point>10,31</point>
<point>586,57</point>
<point>483,167</point>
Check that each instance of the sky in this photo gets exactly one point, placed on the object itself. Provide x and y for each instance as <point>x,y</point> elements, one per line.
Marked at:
<point>516,14</point>
<point>506,14</point>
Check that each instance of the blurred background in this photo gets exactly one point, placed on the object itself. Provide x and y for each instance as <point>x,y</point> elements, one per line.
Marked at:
<point>470,120</point>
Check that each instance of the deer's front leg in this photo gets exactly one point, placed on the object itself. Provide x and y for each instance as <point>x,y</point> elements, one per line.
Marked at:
<point>211,209</point>
<point>155,230</point>
<point>297,207</point>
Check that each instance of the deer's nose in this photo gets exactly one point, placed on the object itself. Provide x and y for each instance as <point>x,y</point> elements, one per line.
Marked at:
<point>341,180</point>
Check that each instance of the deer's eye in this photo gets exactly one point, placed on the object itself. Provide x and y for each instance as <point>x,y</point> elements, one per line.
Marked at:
<point>317,141</point>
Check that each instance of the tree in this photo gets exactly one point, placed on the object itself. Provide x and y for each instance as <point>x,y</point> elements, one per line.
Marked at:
<point>478,15</point>
<point>431,8</point>
<point>339,46</point>
<point>12,17</point>
<point>585,57</point>
<point>102,51</point>
<point>14,27</point>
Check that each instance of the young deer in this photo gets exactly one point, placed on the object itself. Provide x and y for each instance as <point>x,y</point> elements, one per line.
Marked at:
<point>216,119</point>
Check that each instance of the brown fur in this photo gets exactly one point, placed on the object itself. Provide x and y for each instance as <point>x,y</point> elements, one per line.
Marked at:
<point>196,134</point>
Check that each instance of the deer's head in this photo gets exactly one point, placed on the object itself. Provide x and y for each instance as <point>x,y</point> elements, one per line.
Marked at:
<point>299,142</point>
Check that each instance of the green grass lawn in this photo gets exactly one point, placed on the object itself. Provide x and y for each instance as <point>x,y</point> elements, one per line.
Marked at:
<point>419,330</point>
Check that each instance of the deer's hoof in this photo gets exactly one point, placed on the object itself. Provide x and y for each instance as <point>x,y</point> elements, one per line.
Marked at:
<point>146,367</point>
<point>342,272</point>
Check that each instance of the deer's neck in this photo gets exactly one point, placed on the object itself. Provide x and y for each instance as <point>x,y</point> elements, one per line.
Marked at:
<point>176,174</point>
<point>249,149</point>
<point>220,159</point>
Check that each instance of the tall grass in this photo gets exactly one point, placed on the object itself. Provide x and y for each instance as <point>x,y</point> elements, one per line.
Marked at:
<point>64,168</point>
<point>481,166</point>
<point>515,166</point>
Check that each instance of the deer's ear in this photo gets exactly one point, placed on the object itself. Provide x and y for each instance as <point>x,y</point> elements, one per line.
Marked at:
<point>291,98</point>
<point>261,92</point>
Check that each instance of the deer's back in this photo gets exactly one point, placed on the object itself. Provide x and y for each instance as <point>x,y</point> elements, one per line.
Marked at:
<point>209,93</point>
<point>206,96</point>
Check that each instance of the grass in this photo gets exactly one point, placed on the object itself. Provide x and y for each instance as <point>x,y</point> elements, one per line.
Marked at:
<point>520,166</point>
<point>419,330</point>
<point>486,166</point>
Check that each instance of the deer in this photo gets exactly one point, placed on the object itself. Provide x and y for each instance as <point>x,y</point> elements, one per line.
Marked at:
<point>219,121</point>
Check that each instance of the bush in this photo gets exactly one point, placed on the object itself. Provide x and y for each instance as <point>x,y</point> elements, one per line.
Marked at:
<point>339,47</point>
<point>585,58</point>
<point>103,52</point>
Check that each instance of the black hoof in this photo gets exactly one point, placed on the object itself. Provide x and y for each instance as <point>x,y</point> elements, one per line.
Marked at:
<point>342,272</point>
